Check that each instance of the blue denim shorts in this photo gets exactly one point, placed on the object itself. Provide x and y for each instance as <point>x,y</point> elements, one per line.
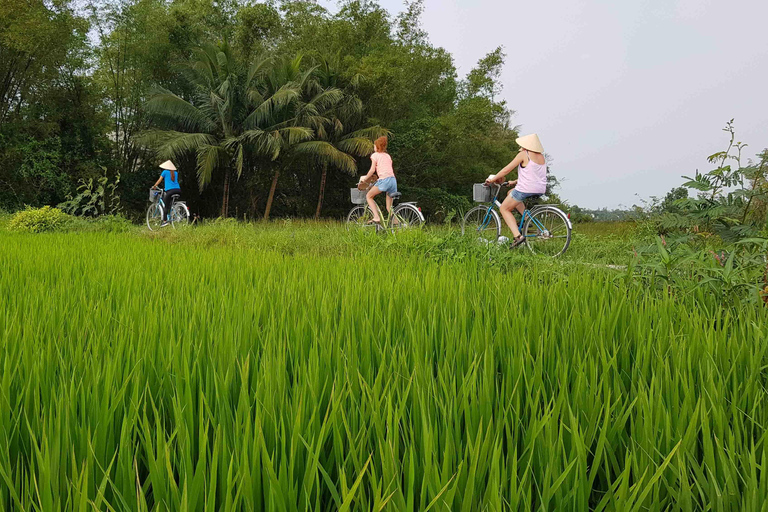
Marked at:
<point>522,196</point>
<point>388,185</point>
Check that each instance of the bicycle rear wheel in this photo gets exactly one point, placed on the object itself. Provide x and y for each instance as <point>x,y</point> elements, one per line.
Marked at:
<point>359,217</point>
<point>482,224</point>
<point>547,231</point>
<point>154,216</point>
<point>179,215</point>
<point>406,216</point>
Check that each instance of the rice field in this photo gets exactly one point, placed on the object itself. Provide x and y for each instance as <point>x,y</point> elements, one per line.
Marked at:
<point>297,367</point>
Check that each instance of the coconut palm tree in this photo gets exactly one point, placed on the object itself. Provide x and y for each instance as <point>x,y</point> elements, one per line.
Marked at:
<point>345,131</point>
<point>314,108</point>
<point>231,117</point>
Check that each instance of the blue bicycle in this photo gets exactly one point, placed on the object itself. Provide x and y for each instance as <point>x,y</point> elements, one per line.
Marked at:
<point>546,228</point>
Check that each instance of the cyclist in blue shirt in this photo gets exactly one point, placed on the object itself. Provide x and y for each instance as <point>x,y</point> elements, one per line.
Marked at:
<point>170,179</point>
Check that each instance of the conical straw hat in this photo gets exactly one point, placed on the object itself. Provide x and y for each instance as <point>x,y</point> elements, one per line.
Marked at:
<point>531,143</point>
<point>168,166</point>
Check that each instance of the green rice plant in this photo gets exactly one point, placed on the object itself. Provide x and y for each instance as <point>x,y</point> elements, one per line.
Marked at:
<point>305,368</point>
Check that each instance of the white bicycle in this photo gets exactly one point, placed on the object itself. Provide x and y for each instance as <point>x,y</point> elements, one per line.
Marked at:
<point>179,211</point>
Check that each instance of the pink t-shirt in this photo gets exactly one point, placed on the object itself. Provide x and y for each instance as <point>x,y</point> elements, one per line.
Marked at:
<point>383,165</point>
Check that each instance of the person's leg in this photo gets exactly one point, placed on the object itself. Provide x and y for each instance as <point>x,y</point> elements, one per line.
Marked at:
<point>174,197</point>
<point>507,207</point>
<point>166,206</point>
<point>389,204</point>
<point>372,203</point>
<point>168,198</point>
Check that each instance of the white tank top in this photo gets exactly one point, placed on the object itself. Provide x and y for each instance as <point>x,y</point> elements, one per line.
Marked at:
<point>532,179</point>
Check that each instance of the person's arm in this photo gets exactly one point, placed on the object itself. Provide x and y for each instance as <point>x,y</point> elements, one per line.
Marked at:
<point>158,181</point>
<point>371,172</point>
<point>520,158</point>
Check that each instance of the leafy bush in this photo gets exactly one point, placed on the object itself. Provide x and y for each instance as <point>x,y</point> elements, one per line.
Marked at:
<point>437,204</point>
<point>94,197</point>
<point>112,224</point>
<point>38,220</point>
<point>733,276</point>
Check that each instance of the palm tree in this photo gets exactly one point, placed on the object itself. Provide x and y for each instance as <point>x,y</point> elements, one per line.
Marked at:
<point>229,118</point>
<point>344,133</point>
<point>312,109</point>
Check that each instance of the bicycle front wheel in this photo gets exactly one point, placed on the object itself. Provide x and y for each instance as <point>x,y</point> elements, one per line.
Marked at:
<point>547,232</point>
<point>359,218</point>
<point>407,216</point>
<point>154,216</point>
<point>179,215</point>
<point>483,224</point>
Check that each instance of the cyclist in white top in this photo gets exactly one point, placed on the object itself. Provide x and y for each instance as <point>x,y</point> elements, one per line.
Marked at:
<point>531,181</point>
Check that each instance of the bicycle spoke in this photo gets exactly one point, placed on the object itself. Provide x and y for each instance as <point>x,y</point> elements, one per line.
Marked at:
<point>481,224</point>
<point>405,218</point>
<point>548,233</point>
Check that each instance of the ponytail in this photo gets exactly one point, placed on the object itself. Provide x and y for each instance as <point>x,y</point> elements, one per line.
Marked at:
<point>173,175</point>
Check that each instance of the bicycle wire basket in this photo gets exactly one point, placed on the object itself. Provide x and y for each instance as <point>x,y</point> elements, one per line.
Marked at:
<point>357,196</point>
<point>154,195</point>
<point>481,193</point>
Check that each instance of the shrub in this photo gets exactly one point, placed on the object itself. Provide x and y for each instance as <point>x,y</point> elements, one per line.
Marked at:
<point>112,224</point>
<point>38,220</point>
<point>437,205</point>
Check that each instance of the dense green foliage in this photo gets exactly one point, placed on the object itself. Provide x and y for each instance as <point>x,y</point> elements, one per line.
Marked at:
<point>184,78</point>
<point>713,231</point>
<point>39,220</point>
<point>285,368</point>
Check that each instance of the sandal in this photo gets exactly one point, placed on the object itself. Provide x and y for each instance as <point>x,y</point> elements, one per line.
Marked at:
<point>518,241</point>
<point>372,222</point>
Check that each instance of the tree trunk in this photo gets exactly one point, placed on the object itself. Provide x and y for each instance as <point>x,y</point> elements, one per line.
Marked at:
<point>322,192</point>
<point>254,205</point>
<point>271,195</point>
<point>225,199</point>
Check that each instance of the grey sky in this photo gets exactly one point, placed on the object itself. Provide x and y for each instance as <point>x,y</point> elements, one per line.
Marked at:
<point>626,95</point>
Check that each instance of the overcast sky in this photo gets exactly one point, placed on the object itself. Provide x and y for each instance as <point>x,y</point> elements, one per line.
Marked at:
<point>626,95</point>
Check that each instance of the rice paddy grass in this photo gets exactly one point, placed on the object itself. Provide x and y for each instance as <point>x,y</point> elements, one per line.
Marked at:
<point>297,367</point>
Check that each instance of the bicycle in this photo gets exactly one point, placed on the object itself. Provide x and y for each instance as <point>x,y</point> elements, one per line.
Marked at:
<point>156,211</point>
<point>546,228</point>
<point>404,216</point>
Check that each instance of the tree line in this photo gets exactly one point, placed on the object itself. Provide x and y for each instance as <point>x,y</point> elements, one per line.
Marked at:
<point>268,109</point>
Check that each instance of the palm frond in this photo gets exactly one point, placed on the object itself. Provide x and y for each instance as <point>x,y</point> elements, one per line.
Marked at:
<point>325,152</point>
<point>172,144</point>
<point>259,68</point>
<point>209,158</point>
<point>184,115</point>
<point>296,134</point>
<point>265,112</point>
<point>356,146</point>
<point>327,99</point>
<point>371,133</point>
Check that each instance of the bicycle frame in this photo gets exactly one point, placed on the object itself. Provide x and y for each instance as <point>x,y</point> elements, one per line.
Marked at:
<point>166,213</point>
<point>526,214</point>
<point>385,219</point>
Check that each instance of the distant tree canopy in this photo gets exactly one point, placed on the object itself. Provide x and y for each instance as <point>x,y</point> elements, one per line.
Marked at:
<point>290,75</point>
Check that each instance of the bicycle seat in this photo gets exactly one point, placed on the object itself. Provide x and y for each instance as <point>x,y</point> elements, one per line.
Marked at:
<point>395,195</point>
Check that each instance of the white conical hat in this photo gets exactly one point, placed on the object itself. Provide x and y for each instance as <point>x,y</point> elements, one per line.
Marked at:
<point>531,143</point>
<point>168,166</point>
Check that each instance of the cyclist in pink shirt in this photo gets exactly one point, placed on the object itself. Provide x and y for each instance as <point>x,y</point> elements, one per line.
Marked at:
<point>381,165</point>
